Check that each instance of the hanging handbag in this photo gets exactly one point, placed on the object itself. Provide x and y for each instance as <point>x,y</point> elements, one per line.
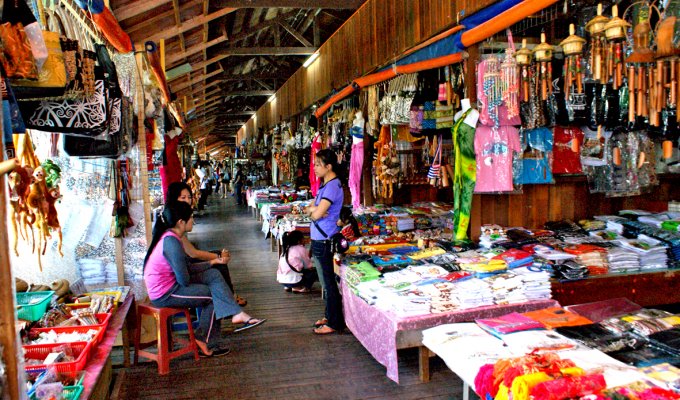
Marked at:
<point>87,116</point>
<point>435,169</point>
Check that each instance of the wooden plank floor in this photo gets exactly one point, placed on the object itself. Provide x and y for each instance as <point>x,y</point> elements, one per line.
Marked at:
<point>281,359</point>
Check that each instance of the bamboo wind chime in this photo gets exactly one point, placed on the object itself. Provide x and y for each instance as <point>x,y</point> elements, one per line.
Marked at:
<point>523,57</point>
<point>510,83</point>
<point>615,32</point>
<point>543,57</point>
<point>598,44</point>
<point>573,71</point>
<point>639,63</point>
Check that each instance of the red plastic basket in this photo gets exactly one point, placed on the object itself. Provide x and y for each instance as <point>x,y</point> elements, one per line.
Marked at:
<point>70,329</point>
<point>81,350</point>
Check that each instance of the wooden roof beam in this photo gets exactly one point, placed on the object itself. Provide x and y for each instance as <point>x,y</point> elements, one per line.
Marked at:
<point>297,35</point>
<point>262,25</point>
<point>332,4</point>
<point>209,85</point>
<point>153,21</point>
<point>178,22</point>
<point>194,49</point>
<point>191,24</point>
<point>194,81</point>
<point>250,93</point>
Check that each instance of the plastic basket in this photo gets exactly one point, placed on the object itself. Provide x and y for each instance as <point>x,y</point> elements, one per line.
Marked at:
<point>33,304</point>
<point>70,329</point>
<point>81,350</point>
<point>69,393</point>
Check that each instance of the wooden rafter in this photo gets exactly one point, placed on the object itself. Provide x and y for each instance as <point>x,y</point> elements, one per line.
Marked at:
<point>333,4</point>
<point>203,88</point>
<point>194,23</point>
<point>297,35</point>
<point>153,21</point>
<point>194,49</point>
<point>201,78</point>
<point>178,23</point>
<point>262,25</point>
<point>250,93</point>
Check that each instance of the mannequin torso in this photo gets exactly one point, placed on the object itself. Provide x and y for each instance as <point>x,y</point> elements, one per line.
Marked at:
<point>472,117</point>
<point>358,128</point>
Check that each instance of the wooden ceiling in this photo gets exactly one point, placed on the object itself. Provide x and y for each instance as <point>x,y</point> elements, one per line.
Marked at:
<point>240,52</point>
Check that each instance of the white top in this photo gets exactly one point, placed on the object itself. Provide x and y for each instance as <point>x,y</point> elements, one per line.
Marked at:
<point>298,257</point>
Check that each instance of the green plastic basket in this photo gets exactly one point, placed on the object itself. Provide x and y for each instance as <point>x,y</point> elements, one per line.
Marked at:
<point>33,304</point>
<point>69,393</point>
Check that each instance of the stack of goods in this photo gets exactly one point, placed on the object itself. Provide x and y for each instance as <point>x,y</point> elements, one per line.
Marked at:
<point>64,316</point>
<point>622,260</point>
<point>667,238</point>
<point>473,293</point>
<point>509,323</point>
<point>643,322</point>
<point>52,336</point>
<point>569,232</point>
<point>651,253</point>
<point>515,258</point>
<point>570,271</point>
<point>593,257</point>
<point>491,234</point>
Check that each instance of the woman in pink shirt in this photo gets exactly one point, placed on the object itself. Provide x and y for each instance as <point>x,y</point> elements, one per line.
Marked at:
<point>296,272</point>
<point>171,281</point>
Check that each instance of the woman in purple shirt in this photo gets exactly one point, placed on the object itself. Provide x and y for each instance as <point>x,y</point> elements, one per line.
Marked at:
<point>324,215</point>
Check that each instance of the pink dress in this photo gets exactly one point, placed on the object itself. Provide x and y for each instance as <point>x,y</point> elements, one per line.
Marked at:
<point>314,182</point>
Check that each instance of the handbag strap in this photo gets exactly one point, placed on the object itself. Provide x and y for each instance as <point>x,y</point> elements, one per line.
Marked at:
<point>321,231</point>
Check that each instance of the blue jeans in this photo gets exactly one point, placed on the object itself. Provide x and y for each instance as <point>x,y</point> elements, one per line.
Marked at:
<point>208,290</point>
<point>309,276</point>
<point>322,254</point>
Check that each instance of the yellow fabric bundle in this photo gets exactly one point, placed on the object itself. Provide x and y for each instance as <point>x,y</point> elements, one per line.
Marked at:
<point>522,385</point>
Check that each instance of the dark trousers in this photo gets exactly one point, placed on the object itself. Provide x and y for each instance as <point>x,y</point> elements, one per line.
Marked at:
<point>309,276</point>
<point>238,189</point>
<point>322,254</point>
<point>203,199</point>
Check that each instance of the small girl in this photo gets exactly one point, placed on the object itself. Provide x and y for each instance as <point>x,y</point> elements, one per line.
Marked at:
<point>349,224</point>
<point>295,272</point>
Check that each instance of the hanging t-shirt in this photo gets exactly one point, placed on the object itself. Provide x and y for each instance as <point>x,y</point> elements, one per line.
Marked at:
<point>567,150</point>
<point>536,160</point>
<point>494,148</point>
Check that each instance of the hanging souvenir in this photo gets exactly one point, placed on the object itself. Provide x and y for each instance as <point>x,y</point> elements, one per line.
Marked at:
<point>615,32</point>
<point>510,83</point>
<point>595,28</point>
<point>573,71</point>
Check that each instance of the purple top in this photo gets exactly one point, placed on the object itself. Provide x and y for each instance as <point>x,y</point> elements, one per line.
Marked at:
<point>331,191</point>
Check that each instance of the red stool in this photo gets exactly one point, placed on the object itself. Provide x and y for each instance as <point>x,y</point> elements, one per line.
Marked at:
<point>163,337</point>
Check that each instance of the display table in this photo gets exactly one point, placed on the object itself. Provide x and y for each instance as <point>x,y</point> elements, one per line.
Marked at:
<point>382,333</point>
<point>98,371</point>
<point>643,288</point>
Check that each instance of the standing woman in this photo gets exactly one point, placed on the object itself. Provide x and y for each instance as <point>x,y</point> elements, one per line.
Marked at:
<point>324,215</point>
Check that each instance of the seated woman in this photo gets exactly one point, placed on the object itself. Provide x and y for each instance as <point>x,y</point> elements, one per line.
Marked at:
<point>296,272</point>
<point>171,281</point>
<point>180,191</point>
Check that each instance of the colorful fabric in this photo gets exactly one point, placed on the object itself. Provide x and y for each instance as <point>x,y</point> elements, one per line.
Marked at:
<point>465,175</point>
<point>171,170</point>
<point>556,317</point>
<point>314,181</point>
<point>536,164</point>
<point>567,150</point>
<point>494,148</point>
<point>355,171</point>
<point>569,387</point>
<point>513,322</point>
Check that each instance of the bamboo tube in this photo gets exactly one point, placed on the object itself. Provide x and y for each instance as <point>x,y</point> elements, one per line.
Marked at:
<point>544,89</point>
<point>659,85</point>
<point>677,90</point>
<point>610,60</point>
<point>640,88</point>
<point>631,94</point>
<point>525,83</point>
<point>673,84</point>
<point>579,75</point>
<point>567,78</point>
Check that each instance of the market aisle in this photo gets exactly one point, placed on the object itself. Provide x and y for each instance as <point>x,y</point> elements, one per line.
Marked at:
<point>282,358</point>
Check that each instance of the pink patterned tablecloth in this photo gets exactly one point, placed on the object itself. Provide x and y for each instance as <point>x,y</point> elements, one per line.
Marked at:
<point>377,330</point>
<point>94,367</point>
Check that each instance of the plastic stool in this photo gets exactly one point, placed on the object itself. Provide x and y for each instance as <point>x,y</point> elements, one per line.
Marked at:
<point>163,340</point>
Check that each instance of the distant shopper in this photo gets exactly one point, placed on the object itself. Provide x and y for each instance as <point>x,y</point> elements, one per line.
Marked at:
<point>204,185</point>
<point>296,272</point>
<point>239,181</point>
<point>325,213</point>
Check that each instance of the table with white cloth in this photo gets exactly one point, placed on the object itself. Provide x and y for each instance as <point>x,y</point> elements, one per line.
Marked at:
<point>465,348</point>
<point>383,333</point>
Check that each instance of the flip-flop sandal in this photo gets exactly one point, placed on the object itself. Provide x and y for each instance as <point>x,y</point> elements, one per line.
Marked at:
<point>301,290</point>
<point>248,324</point>
<point>215,353</point>
<point>325,330</point>
<point>321,322</point>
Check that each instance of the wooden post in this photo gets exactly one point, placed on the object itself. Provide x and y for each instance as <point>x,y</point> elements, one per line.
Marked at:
<point>120,265</point>
<point>8,334</point>
<point>144,173</point>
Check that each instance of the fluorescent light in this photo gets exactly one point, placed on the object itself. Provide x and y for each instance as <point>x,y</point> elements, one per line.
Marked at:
<point>271,99</point>
<point>311,59</point>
